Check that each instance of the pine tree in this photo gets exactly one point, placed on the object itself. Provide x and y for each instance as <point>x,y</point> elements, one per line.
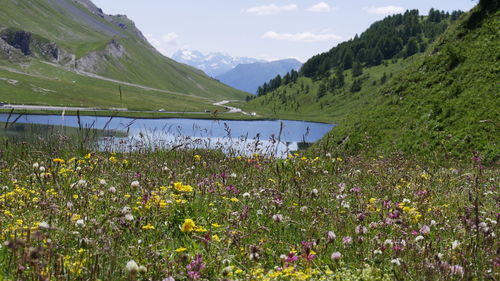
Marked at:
<point>339,74</point>
<point>411,47</point>
<point>357,69</point>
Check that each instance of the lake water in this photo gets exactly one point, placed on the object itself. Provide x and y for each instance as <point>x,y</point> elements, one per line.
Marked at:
<point>270,137</point>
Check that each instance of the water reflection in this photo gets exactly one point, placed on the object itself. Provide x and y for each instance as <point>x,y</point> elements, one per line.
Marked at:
<point>269,137</point>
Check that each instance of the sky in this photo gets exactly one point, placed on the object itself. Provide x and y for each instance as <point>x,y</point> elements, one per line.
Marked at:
<point>265,29</point>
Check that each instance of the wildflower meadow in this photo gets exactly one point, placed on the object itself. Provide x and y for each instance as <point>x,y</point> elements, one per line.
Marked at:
<point>69,214</point>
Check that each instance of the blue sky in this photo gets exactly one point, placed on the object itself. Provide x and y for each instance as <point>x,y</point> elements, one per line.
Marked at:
<point>261,28</point>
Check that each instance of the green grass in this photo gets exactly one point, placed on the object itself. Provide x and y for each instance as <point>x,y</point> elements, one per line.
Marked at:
<point>69,89</point>
<point>299,100</point>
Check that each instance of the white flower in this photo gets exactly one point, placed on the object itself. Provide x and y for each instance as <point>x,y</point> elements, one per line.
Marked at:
<point>330,236</point>
<point>233,175</point>
<point>42,169</point>
<point>142,269</point>
<point>134,184</point>
<point>126,210</point>
<point>82,183</point>
<point>396,261</point>
<point>377,252</point>
<point>102,182</point>
<point>69,205</point>
<point>278,217</point>
<point>440,256</point>
<point>129,217</point>
<point>246,195</point>
<point>112,189</point>
<point>132,267</point>
<point>303,209</point>
<point>455,244</point>
<point>388,242</point>
<point>433,222</point>
<point>425,230</point>
<point>43,225</point>
<point>80,222</point>
<point>283,257</point>
<point>345,204</point>
<point>259,212</point>
<point>36,165</point>
<point>406,201</point>
<point>314,192</point>
<point>418,238</point>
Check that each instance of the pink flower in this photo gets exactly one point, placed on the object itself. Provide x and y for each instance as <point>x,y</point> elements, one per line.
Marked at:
<point>425,230</point>
<point>336,256</point>
<point>347,240</point>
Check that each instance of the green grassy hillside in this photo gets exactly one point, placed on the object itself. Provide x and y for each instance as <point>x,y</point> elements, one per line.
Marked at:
<point>109,46</point>
<point>301,101</point>
<point>444,103</point>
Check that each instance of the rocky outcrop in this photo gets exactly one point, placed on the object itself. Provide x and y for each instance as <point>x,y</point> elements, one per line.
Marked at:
<point>92,61</point>
<point>18,39</point>
<point>14,44</point>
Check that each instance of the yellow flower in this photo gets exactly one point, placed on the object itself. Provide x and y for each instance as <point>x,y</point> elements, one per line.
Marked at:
<point>372,200</point>
<point>216,225</point>
<point>201,229</point>
<point>188,225</point>
<point>183,188</point>
<point>234,199</point>
<point>58,160</point>
<point>216,237</point>
<point>179,250</point>
<point>148,226</point>
<point>197,157</point>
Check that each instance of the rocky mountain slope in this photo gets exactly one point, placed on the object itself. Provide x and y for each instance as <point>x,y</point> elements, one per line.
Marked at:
<point>37,36</point>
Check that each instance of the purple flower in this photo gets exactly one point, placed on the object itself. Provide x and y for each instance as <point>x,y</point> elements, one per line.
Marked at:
<point>457,270</point>
<point>193,275</point>
<point>336,256</point>
<point>347,240</point>
<point>232,189</point>
<point>356,189</point>
<point>291,257</point>
<point>425,230</point>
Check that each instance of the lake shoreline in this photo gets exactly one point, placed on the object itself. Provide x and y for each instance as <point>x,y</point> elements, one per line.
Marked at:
<point>157,115</point>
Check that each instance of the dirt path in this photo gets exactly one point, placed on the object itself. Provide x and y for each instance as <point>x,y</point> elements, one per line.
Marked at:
<point>230,108</point>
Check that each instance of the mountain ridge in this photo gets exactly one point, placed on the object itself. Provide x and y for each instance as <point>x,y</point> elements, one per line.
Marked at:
<point>248,77</point>
<point>214,63</point>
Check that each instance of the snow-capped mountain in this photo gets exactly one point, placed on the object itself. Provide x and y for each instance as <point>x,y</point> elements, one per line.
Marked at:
<point>213,64</point>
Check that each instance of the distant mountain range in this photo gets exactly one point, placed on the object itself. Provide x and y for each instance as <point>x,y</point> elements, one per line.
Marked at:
<point>248,77</point>
<point>213,64</point>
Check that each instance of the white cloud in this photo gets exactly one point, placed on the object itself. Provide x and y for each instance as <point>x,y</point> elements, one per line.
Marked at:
<point>302,36</point>
<point>272,9</point>
<point>171,38</point>
<point>155,42</point>
<point>386,10</point>
<point>166,44</point>
<point>321,7</point>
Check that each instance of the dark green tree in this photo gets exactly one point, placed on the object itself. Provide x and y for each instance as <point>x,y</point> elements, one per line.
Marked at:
<point>411,47</point>
<point>357,69</point>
